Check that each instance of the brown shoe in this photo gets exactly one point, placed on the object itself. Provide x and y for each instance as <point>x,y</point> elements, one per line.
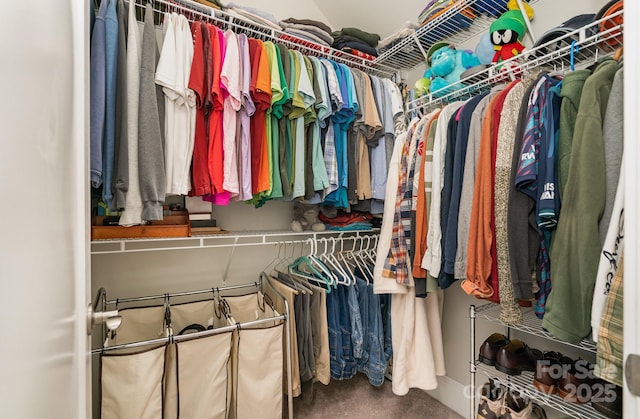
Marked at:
<point>575,383</point>
<point>548,371</point>
<point>490,347</point>
<point>491,401</point>
<point>516,357</point>
<point>516,407</point>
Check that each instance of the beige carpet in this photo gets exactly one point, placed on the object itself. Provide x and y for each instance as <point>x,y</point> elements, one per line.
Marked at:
<point>356,398</point>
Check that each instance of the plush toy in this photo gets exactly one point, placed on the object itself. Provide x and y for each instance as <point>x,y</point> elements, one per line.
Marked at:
<point>506,35</point>
<point>447,64</point>
<point>305,217</point>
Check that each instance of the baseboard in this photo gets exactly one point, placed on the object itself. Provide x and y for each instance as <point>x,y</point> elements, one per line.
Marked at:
<point>452,394</point>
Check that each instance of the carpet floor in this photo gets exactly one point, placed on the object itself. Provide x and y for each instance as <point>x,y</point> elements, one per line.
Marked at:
<point>356,398</point>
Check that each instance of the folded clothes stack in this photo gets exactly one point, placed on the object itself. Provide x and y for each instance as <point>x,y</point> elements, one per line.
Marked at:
<point>252,14</point>
<point>354,40</point>
<point>404,32</point>
<point>308,30</point>
<point>345,221</point>
<point>460,18</point>
<point>211,3</point>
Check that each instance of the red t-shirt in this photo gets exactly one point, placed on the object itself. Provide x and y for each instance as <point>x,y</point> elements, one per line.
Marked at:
<point>200,182</point>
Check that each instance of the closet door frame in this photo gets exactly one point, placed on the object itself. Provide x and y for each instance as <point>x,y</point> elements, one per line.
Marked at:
<point>632,197</point>
<point>44,250</point>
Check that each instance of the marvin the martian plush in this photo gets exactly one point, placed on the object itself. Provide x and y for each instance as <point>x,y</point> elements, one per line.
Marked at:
<point>506,35</point>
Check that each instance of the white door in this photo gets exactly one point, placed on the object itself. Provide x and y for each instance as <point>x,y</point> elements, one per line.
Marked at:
<point>632,197</point>
<point>43,210</point>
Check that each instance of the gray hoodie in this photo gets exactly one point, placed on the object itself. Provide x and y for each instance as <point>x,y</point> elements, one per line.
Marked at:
<point>151,112</point>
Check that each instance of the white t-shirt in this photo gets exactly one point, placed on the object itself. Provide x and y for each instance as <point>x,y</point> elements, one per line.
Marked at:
<point>172,73</point>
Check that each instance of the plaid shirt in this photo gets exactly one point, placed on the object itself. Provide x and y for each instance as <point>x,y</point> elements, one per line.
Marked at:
<point>397,263</point>
<point>609,353</point>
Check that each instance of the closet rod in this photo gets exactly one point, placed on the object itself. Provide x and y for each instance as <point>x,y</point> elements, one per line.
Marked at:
<point>225,19</point>
<point>190,336</point>
<point>184,293</point>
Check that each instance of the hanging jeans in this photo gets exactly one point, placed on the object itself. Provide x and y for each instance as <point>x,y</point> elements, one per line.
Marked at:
<point>343,364</point>
<point>376,364</point>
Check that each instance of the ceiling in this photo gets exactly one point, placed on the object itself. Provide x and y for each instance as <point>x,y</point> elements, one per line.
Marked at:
<point>377,16</point>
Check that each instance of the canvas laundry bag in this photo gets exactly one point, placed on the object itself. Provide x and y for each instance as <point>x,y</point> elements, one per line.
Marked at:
<point>131,383</point>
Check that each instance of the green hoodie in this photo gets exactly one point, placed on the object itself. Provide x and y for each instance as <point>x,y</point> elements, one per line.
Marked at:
<point>575,251</point>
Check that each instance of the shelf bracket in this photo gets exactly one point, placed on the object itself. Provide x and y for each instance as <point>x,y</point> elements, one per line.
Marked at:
<point>424,54</point>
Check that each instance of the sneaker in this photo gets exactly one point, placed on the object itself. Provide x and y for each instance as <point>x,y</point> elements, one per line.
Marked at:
<point>491,401</point>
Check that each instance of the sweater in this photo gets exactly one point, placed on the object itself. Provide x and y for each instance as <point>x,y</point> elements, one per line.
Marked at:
<point>432,259</point>
<point>521,222</point>
<point>468,180</point>
<point>612,131</point>
<point>132,214</point>
<point>108,146</point>
<point>150,146</point>
<point>120,183</point>
<point>452,266</point>
<point>97,75</point>
<point>509,311</point>
<point>577,243</point>
<point>571,91</point>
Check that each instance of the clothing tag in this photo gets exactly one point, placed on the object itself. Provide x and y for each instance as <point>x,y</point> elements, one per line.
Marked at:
<point>257,315</point>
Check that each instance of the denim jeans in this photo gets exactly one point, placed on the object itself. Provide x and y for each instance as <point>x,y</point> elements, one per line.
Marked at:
<point>355,318</point>
<point>363,303</point>
<point>385,308</point>
<point>376,365</point>
<point>336,362</point>
<point>346,329</point>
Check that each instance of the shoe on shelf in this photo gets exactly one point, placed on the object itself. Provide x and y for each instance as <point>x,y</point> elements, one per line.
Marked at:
<point>515,357</point>
<point>608,403</point>
<point>574,384</point>
<point>490,347</point>
<point>491,401</point>
<point>549,368</point>
<point>516,407</point>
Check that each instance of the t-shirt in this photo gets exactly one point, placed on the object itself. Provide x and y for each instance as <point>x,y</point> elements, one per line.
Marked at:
<point>243,136</point>
<point>201,184</point>
<point>261,93</point>
<point>216,140</point>
<point>273,131</point>
<point>230,80</point>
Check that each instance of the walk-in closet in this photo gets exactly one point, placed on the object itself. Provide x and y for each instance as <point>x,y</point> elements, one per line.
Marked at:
<point>320,209</point>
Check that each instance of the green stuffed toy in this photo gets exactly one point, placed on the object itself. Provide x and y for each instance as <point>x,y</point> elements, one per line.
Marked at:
<point>507,33</point>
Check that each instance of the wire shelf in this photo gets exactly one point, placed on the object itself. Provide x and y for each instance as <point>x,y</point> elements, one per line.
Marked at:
<point>591,43</point>
<point>458,23</point>
<point>235,239</point>
<point>530,324</point>
<point>523,385</point>
<point>240,24</point>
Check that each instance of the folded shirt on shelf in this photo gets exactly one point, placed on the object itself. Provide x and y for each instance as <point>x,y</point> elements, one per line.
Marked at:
<point>246,15</point>
<point>309,22</point>
<point>367,37</point>
<point>314,30</point>
<point>407,30</point>
<point>360,46</point>
<point>307,36</point>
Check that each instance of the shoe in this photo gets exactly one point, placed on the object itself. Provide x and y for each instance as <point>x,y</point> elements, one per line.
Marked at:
<point>491,401</point>
<point>516,407</point>
<point>515,357</point>
<point>549,368</point>
<point>609,402</point>
<point>574,385</point>
<point>490,347</point>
